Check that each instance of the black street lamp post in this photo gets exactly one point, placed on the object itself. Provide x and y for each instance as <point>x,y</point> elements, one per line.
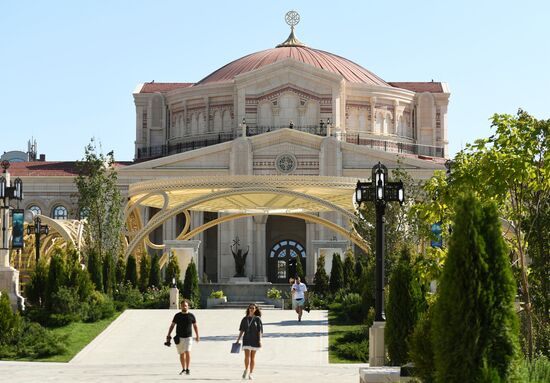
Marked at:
<point>37,229</point>
<point>7,193</point>
<point>379,191</point>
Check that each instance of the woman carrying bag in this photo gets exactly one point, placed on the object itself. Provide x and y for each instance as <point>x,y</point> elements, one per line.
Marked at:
<point>252,328</point>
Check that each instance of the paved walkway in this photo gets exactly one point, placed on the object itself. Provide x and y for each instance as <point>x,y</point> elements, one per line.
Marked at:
<point>131,350</point>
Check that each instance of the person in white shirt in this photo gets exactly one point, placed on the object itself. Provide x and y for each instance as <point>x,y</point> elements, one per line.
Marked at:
<point>299,295</point>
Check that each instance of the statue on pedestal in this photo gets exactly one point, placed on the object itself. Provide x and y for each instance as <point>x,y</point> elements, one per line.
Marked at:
<point>239,257</point>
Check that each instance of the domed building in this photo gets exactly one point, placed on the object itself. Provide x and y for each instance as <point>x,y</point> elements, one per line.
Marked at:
<point>257,162</point>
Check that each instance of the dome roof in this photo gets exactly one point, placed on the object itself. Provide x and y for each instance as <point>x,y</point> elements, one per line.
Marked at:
<point>351,71</point>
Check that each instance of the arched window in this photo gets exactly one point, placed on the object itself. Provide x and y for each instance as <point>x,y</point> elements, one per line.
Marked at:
<point>84,213</point>
<point>60,212</point>
<point>35,209</point>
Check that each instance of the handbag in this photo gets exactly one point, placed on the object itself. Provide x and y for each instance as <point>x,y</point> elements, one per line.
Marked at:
<point>235,348</point>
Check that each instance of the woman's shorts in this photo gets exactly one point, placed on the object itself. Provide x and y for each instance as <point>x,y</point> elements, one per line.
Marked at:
<point>251,348</point>
<point>184,345</point>
<point>298,303</point>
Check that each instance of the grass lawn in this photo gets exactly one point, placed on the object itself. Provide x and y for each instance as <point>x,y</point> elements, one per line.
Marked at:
<point>78,336</point>
<point>336,330</point>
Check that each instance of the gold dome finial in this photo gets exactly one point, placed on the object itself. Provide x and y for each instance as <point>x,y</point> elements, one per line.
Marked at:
<point>292,18</point>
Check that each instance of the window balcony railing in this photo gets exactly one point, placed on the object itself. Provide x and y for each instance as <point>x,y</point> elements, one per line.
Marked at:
<point>394,146</point>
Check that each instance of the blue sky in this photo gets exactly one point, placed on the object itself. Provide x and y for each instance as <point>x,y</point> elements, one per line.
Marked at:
<point>69,67</point>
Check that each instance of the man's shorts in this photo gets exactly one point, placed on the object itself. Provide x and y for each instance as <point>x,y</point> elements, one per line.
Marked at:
<point>298,303</point>
<point>184,345</point>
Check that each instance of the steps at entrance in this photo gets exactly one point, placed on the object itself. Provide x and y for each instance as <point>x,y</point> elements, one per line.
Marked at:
<point>243,305</point>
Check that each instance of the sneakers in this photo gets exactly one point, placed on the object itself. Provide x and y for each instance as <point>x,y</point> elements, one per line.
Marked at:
<point>250,377</point>
<point>187,372</point>
<point>182,371</point>
<point>244,374</point>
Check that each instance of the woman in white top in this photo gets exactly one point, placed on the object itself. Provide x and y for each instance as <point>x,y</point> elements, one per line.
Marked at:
<point>299,292</point>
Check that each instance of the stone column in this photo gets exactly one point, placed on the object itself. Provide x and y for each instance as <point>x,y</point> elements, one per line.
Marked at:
<point>260,270</point>
<point>311,262</point>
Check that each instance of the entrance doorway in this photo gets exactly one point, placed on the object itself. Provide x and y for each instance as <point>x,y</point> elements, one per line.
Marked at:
<point>285,237</point>
<point>283,258</point>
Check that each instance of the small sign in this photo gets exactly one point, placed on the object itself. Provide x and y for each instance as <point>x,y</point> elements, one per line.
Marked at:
<point>18,217</point>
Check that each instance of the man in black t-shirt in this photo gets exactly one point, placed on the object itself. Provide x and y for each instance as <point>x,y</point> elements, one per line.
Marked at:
<point>184,335</point>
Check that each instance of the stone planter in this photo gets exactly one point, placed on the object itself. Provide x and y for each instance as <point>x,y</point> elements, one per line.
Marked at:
<point>211,302</point>
<point>278,303</point>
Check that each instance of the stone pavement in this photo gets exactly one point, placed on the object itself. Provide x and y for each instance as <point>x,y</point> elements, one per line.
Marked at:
<point>131,350</point>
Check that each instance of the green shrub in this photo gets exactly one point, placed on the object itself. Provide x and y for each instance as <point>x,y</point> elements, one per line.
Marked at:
<point>217,294</point>
<point>336,274</point>
<point>56,276</point>
<point>320,281</point>
<point>191,289</point>
<point>9,320</point>
<point>536,370</point>
<point>127,296</point>
<point>65,308</point>
<point>402,308</point>
<point>172,271</point>
<point>316,302</point>
<point>156,298</point>
<point>32,341</point>
<point>354,345</point>
<point>274,293</point>
<point>99,306</point>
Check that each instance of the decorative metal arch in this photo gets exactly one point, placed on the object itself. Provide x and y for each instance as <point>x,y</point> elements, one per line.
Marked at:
<point>159,218</point>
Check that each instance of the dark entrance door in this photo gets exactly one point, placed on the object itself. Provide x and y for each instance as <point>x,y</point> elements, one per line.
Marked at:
<point>283,258</point>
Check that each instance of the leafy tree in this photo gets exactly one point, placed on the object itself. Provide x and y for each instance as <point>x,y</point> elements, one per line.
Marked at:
<point>131,271</point>
<point>154,276</point>
<point>95,268</point>
<point>109,274</point>
<point>144,271</point>
<point>100,202</point>
<point>512,169</point>
<point>320,280</point>
<point>300,269</point>
<point>402,308</point>
<point>474,319</point>
<point>349,270</point>
<point>336,274</point>
<point>172,271</point>
<point>191,285</point>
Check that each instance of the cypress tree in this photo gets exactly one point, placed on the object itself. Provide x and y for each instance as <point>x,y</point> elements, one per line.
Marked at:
<point>144,271</point>
<point>35,290</point>
<point>109,274</point>
<point>359,274</point>
<point>336,274</point>
<point>320,280</point>
<point>131,271</point>
<point>402,308</point>
<point>154,276</point>
<point>172,271</point>
<point>95,268</point>
<point>120,273</point>
<point>56,276</point>
<point>300,269</point>
<point>191,285</point>
<point>349,270</point>
<point>503,328</point>
<point>474,323</point>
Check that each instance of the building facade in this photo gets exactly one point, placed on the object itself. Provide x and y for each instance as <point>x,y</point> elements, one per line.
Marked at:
<point>264,136</point>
